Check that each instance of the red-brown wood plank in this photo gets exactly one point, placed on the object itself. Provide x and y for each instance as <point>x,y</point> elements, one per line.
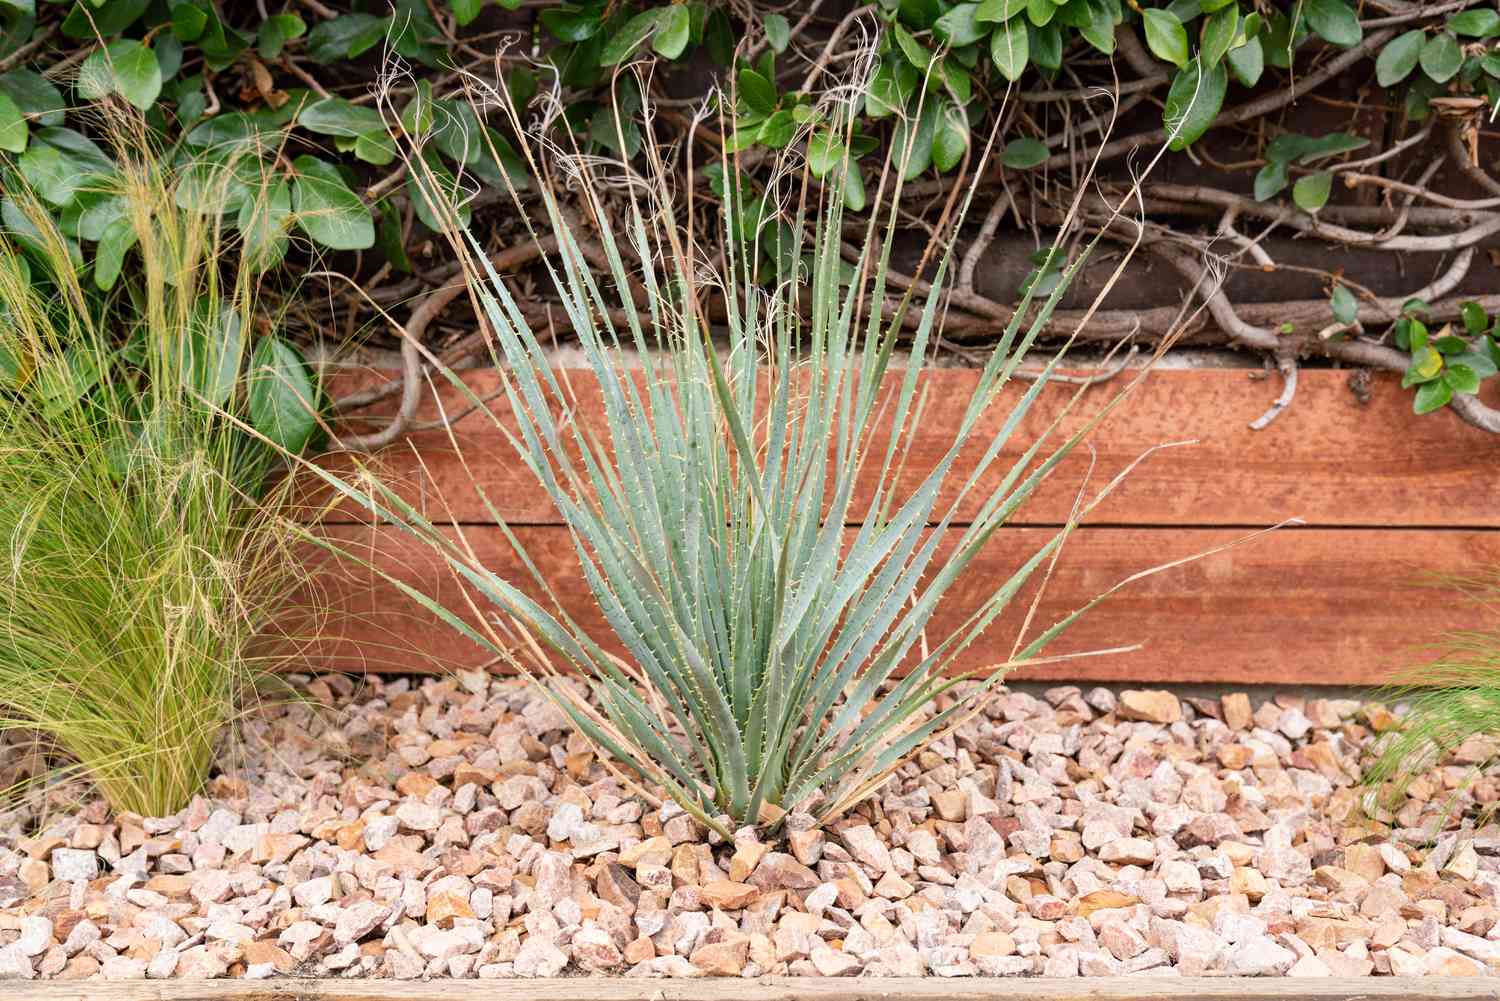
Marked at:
<point>1298,606</point>
<point>1328,459</point>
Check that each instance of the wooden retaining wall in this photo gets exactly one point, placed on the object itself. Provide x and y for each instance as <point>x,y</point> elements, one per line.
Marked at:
<point>1385,498</point>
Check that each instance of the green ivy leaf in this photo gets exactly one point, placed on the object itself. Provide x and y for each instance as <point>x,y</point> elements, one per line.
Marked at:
<point>13,128</point>
<point>345,37</point>
<point>264,222</point>
<point>125,67</point>
<point>1248,62</point>
<point>777,131</point>
<point>961,25</point>
<point>92,21</point>
<point>1345,308</point>
<point>465,11</point>
<point>327,211</point>
<point>1335,21</point>
<point>778,31</point>
<point>915,160</point>
<point>1441,57</point>
<point>213,349</point>
<point>824,152</point>
<point>1218,35</point>
<point>1193,102</point>
<point>1040,12</point>
<point>1271,180</point>
<point>1399,57</point>
<point>1432,396</point>
<point>375,148</point>
<point>1166,36</point>
<point>913,50</point>
<point>1310,193</point>
<point>1474,317</point>
<point>995,11</point>
<point>950,141</point>
<point>620,45</point>
<point>282,398</point>
<point>1461,378</point>
<point>38,99</point>
<point>1291,146</point>
<point>188,21</point>
<point>334,116</point>
<point>756,92</point>
<point>890,88</point>
<point>1481,22</point>
<point>718,37</point>
<point>1010,48</point>
<point>674,26</point>
<point>571,24</point>
<point>109,256</point>
<point>1481,365</point>
<point>1023,154</point>
<point>275,31</point>
<point>1046,46</point>
<point>1098,28</point>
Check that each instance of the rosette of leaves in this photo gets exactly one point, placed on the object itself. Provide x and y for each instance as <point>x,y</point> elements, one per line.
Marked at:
<point>1445,362</point>
<point>775,658</point>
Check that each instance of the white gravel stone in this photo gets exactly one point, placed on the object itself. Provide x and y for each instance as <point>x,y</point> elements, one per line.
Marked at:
<point>74,864</point>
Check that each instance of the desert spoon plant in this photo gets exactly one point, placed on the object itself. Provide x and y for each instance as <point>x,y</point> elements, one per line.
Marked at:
<point>775,659</point>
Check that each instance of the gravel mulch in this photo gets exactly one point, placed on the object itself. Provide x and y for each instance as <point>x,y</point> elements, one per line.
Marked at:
<point>457,828</point>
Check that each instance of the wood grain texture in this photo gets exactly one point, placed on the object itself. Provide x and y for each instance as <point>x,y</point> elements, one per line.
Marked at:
<point>1297,606</point>
<point>778,989</point>
<point>1328,459</point>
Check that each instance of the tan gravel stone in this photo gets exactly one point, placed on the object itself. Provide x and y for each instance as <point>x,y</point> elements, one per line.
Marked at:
<point>724,958</point>
<point>1236,710</point>
<point>727,895</point>
<point>1150,706</point>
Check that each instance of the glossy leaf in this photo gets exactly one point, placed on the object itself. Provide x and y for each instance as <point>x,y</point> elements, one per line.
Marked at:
<point>327,211</point>
<point>1193,102</point>
<point>465,11</point>
<point>1334,21</point>
<point>1474,317</point>
<point>1023,154</point>
<point>1345,308</point>
<point>1310,193</point>
<point>1010,47</point>
<point>672,32</point>
<point>778,31</point>
<point>275,31</point>
<point>282,397</point>
<point>335,116</point>
<point>345,37</point>
<point>1441,57</point>
<point>961,25</point>
<point>1431,396</point>
<point>995,11</point>
<point>1219,32</point>
<point>1165,36</point>
<point>619,46</point>
<point>1248,62</point>
<point>13,128</point>
<point>1480,22</point>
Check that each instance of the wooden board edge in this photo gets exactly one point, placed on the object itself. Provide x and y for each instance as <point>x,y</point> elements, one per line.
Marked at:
<point>775,989</point>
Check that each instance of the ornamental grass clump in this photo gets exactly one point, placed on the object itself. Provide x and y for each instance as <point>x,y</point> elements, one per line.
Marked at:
<point>1452,697</point>
<point>743,515</point>
<point>141,548</point>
